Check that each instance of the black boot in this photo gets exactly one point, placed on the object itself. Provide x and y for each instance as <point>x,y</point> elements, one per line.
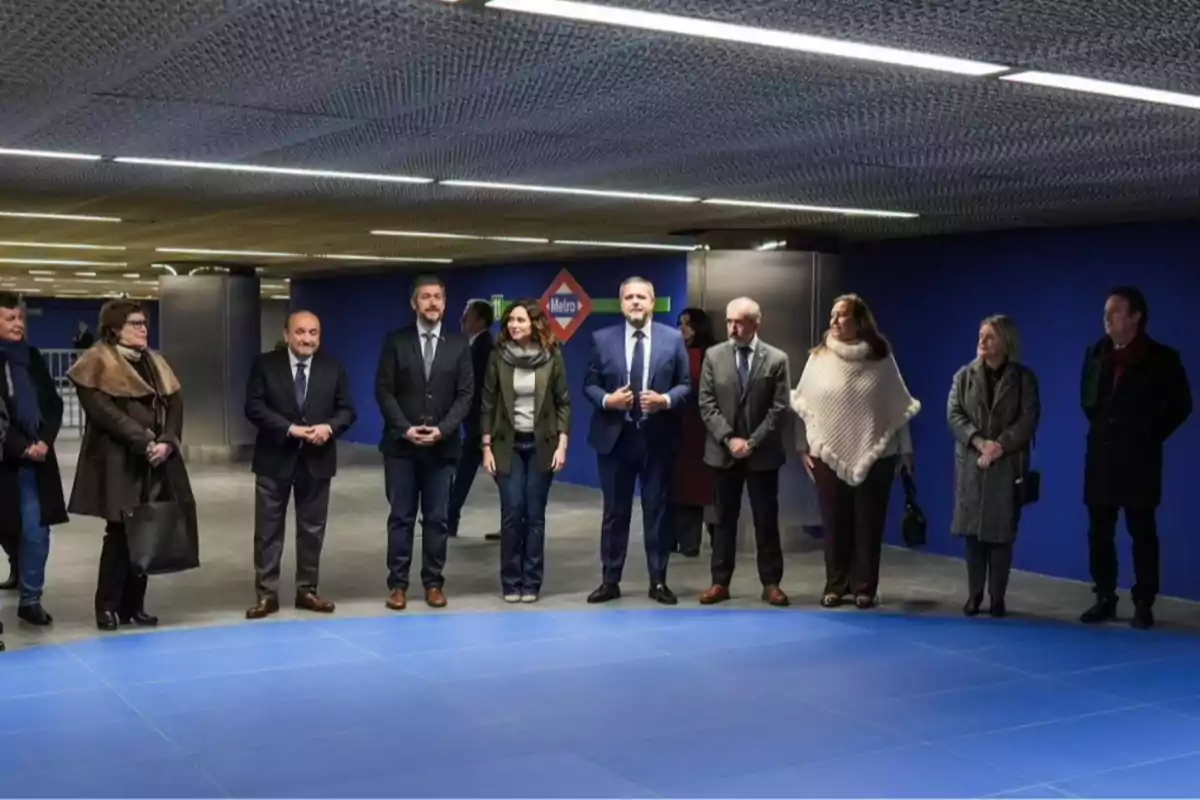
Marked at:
<point>1103,610</point>
<point>1143,617</point>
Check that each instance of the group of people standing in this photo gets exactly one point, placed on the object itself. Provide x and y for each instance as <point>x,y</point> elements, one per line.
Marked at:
<point>662,398</point>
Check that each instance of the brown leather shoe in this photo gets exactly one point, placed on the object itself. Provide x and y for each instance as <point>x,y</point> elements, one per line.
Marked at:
<point>397,601</point>
<point>263,608</point>
<point>773,595</point>
<point>435,598</point>
<point>715,594</point>
<point>311,601</point>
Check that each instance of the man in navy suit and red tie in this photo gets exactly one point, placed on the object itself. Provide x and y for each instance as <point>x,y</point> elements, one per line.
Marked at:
<point>638,376</point>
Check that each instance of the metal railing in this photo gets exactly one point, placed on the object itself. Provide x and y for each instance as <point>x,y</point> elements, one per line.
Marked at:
<point>59,362</point>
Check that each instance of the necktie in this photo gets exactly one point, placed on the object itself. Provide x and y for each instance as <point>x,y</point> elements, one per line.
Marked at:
<point>301,384</point>
<point>743,366</point>
<point>427,354</point>
<point>637,368</point>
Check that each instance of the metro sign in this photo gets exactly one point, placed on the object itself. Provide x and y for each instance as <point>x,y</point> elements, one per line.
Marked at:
<point>566,305</point>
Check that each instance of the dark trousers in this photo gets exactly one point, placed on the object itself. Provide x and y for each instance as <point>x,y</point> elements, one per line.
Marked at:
<point>686,529</point>
<point>1102,547</point>
<point>988,565</point>
<point>270,519</point>
<point>854,518</point>
<point>763,488</point>
<point>632,462</point>
<point>464,478</point>
<point>119,588</point>
<point>413,483</point>
<point>524,492</point>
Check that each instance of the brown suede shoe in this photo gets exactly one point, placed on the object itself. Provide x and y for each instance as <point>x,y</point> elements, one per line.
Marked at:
<point>715,594</point>
<point>263,608</point>
<point>311,601</point>
<point>773,595</point>
<point>397,601</point>
<point>435,598</point>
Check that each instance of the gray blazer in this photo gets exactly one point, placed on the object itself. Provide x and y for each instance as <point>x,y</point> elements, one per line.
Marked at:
<point>757,409</point>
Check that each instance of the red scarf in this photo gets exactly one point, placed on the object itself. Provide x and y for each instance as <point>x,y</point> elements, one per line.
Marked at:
<point>1122,358</point>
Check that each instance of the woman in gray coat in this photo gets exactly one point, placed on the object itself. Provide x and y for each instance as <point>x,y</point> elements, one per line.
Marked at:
<point>993,413</point>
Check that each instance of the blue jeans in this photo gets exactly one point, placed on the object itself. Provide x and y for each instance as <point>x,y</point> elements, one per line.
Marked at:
<point>35,540</point>
<point>524,492</point>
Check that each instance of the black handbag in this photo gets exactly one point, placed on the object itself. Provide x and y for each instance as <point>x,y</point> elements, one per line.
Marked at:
<point>913,526</point>
<point>163,535</point>
<point>1029,481</point>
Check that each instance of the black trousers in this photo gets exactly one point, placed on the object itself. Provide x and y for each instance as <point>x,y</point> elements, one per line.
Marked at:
<point>763,488</point>
<point>853,518</point>
<point>686,529</point>
<point>119,589</point>
<point>270,520</point>
<point>988,565</point>
<point>464,478</point>
<point>411,483</point>
<point>1102,552</point>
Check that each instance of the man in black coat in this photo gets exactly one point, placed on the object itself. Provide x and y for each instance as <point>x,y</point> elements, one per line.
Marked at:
<point>31,493</point>
<point>476,325</point>
<point>299,399</point>
<point>1135,394</point>
<point>424,386</point>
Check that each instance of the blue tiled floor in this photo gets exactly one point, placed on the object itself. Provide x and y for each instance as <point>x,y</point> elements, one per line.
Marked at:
<point>672,703</point>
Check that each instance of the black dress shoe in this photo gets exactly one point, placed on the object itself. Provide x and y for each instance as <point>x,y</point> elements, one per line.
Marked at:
<point>971,608</point>
<point>34,614</point>
<point>107,620</point>
<point>140,619</point>
<point>1143,618</point>
<point>997,609</point>
<point>604,593</point>
<point>1104,610</point>
<point>660,593</point>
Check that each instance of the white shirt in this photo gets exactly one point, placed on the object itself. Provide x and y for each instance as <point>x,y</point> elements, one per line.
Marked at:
<point>630,342</point>
<point>753,345</point>
<point>295,361</point>
<point>471,339</point>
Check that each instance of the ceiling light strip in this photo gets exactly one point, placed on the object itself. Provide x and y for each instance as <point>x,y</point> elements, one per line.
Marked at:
<point>62,245</point>
<point>201,251</point>
<point>61,217</point>
<point>709,29</point>
<point>62,262</point>
<point>521,187</point>
<point>628,245</point>
<point>10,151</point>
<point>376,259</point>
<point>1107,88</point>
<point>849,212</point>
<point>293,171</point>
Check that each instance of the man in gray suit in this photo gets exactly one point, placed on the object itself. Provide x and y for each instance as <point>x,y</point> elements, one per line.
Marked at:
<point>743,396</point>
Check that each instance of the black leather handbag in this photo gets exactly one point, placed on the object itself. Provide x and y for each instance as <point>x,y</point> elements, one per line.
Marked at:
<point>163,534</point>
<point>1029,481</point>
<point>913,526</point>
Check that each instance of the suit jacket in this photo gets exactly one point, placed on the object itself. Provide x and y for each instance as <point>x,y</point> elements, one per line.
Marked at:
<point>607,372</point>
<point>481,351</point>
<point>12,457</point>
<point>406,399</point>
<point>551,410</point>
<point>754,412</point>
<point>271,407</point>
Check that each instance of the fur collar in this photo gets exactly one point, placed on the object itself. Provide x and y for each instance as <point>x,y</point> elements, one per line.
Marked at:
<point>848,351</point>
<point>102,368</point>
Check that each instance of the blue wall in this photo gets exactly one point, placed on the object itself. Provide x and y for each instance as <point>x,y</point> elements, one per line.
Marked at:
<point>929,296</point>
<point>53,321</point>
<point>357,312</point>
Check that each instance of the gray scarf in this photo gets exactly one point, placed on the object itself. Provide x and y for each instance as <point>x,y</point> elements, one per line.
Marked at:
<point>520,357</point>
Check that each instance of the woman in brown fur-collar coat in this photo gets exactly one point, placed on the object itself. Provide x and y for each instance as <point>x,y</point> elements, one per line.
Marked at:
<point>134,414</point>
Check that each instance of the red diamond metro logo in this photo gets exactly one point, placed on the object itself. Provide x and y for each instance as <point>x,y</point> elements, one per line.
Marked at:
<point>566,305</point>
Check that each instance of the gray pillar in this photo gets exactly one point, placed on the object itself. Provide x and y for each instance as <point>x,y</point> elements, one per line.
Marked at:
<point>794,290</point>
<point>209,331</point>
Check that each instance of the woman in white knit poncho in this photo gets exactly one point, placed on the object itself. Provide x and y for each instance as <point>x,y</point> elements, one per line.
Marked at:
<point>854,410</point>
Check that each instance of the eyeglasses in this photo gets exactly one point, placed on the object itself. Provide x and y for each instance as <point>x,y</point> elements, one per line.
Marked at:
<point>136,323</point>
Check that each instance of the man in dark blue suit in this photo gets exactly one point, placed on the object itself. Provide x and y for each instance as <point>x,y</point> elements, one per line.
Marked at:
<point>638,377</point>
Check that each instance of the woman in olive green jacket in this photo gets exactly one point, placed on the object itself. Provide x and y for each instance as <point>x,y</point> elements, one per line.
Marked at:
<point>526,419</point>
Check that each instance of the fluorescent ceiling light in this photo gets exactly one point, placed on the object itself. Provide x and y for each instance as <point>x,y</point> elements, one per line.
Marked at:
<point>42,272</point>
<point>305,173</point>
<point>63,217</point>
<point>131,275</point>
<point>468,236</point>
<point>520,187</point>
<point>356,257</point>
<point>86,274</point>
<point>8,151</point>
<point>708,29</point>
<point>1091,86</point>
<point>61,263</point>
<point>63,245</point>
<point>776,245</point>
<point>634,245</point>
<point>849,212</point>
<point>44,280</point>
<point>166,267</point>
<point>200,251</point>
